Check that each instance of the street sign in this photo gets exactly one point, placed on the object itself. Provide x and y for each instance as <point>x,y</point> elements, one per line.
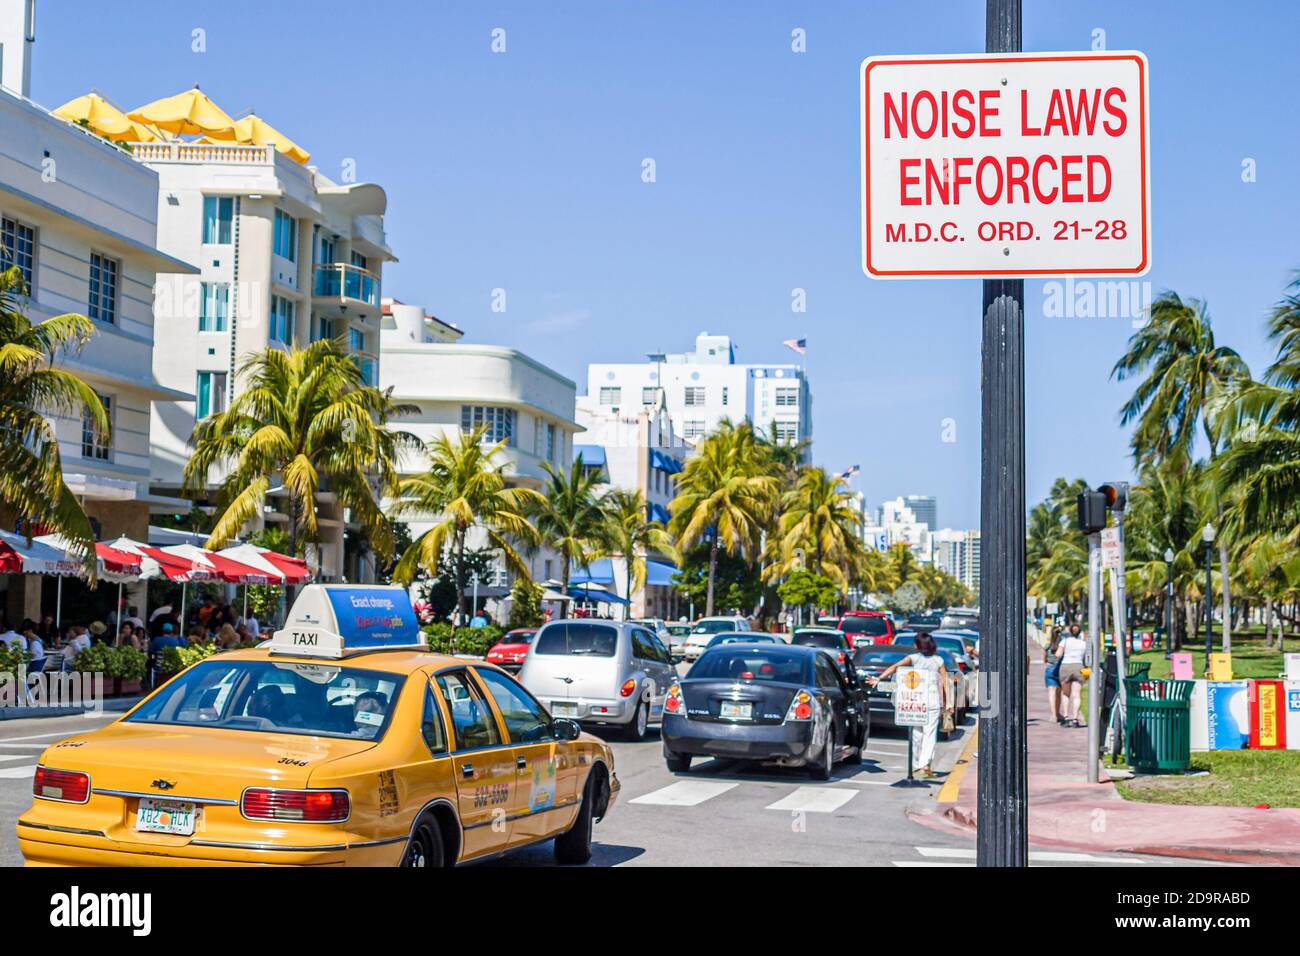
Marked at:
<point>916,694</point>
<point>1005,164</point>
<point>1111,556</point>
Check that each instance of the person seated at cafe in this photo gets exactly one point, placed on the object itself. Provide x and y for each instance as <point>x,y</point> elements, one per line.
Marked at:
<point>198,635</point>
<point>141,638</point>
<point>35,647</point>
<point>227,638</point>
<point>125,635</point>
<point>166,638</point>
<point>10,637</point>
<point>97,631</point>
<point>78,641</point>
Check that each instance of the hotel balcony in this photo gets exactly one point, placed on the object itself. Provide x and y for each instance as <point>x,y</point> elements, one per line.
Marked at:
<point>341,285</point>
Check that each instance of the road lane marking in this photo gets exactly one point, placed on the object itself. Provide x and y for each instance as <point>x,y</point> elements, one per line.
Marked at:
<point>886,753</point>
<point>1040,856</point>
<point>951,788</point>
<point>927,863</point>
<point>874,783</point>
<point>61,733</point>
<point>5,743</point>
<point>18,773</point>
<point>9,758</point>
<point>685,793</point>
<point>814,800</point>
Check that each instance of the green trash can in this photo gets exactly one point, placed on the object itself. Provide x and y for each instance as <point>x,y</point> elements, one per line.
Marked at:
<point>1158,725</point>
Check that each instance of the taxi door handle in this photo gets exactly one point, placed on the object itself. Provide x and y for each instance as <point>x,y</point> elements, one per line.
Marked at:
<point>521,763</point>
<point>467,770</point>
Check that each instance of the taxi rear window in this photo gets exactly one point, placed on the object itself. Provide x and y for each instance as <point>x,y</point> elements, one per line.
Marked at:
<point>318,700</point>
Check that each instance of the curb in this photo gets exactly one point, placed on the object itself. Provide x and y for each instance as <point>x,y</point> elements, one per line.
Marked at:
<point>116,706</point>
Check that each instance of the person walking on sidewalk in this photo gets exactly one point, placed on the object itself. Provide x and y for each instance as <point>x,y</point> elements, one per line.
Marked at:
<point>1052,677</point>
<point>924,738</point>
<point>1072,655</point>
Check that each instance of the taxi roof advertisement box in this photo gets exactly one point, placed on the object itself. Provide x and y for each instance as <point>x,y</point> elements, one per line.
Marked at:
<point>334,620</point>
<point>1005,165</point>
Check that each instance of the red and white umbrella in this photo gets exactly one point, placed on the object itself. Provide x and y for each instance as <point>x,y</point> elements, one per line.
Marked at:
<point>224,568</point>
<point>289,570</point>
<point>18,556</point>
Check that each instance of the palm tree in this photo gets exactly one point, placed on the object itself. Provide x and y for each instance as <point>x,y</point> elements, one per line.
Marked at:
<point>630,534</point>
<point>1188,379</point>
<point>31,388</point>
<point>818,518</point>
<point>569,518</point>
<point>786,456</point>
<point>463,488</point>
<point>305,416</point>
<point>725,495</point>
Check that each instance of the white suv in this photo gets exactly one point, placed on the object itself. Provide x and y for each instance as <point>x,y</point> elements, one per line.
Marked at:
<point>706,628</point>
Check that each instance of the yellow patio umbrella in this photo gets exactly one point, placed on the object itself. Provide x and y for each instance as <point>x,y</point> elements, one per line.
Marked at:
<point>100,116</point>
<point>253,129</point>
<point>190,113</point>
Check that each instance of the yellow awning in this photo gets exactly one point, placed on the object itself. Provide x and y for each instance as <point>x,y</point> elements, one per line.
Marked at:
<point>190,113</point>
<point>100,116</point>
<point>254,129</point>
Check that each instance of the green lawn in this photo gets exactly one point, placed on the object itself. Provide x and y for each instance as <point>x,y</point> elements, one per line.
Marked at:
<point>1236,778</point>
<point>1249,656</point>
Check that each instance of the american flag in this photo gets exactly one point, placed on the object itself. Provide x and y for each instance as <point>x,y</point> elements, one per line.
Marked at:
<point>799,345</point>
<point>850,472</point>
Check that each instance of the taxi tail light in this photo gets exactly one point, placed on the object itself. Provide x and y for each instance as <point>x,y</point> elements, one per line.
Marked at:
<point>301,806</point>
<point>70,786</point>
<point>628,688</point>
<point>674,704</point>
<point>801,706</point>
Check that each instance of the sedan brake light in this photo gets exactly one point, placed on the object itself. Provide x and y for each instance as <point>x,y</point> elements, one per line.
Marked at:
<point>800,707</point>
<point>629,686</point>
<point>300,806</point>
<point>69,786</point>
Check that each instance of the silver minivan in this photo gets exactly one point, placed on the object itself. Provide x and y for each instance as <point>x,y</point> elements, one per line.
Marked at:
<point>600,672</point>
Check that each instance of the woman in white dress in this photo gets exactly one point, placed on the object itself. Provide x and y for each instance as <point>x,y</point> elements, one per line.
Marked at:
<point>924,738</point>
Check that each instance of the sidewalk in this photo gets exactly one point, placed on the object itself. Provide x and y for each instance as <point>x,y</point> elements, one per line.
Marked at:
<point>1066,812</point>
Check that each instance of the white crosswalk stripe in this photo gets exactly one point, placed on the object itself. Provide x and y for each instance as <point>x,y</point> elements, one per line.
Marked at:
<point>965,856</point>
<point>685,793</point>
<point>814,800</point>
<point>10,758</point>
<point>18,773</point>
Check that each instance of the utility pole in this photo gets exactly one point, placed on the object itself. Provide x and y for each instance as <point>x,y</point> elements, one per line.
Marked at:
<point>1002,838</point>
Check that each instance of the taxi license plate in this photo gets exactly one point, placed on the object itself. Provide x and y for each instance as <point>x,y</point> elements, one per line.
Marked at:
<point>165,816</point>
<point>564,709</point>
<point>734,711</point>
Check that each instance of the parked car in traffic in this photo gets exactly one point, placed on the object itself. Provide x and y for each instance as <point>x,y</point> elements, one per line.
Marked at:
<point>676,643</point>
<point>768,703</point>
<point>923,623</point>
<point>610,673</point>
<point>509,652</point>
<point>706,627</point>
<point>872,660</point>
<point>835,642</point>
<point>960,617</point>
<point>747,637</point>
<point>867,627</point>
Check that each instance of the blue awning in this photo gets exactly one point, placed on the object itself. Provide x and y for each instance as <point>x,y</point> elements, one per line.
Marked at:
<point>596,596</point>
<point>659,574</point>
<point>665,462</point>
<point>593,456</point>
<point>598,572</point>
<point>657,512</point>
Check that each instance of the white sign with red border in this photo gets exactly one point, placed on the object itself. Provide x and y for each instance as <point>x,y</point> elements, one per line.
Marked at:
<point>1006,164</point>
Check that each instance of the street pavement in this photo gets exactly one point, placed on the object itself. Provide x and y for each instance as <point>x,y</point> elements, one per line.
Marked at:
<point>720,813</point>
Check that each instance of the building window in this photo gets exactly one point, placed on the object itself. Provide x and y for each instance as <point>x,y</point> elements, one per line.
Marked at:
<point>724,395</point>
<point>214,306</point>
<point>286,236</point>
<point>648,395</point>
<point>18,248</point>
<point>695,396</point>
<point>218,212</point>
<point>209,394</point>
<point>356,340</point>
<point>550,443</point>
<point>325,251</point>
<point>360,261</point>
<point>94,443</point>
<point>282,316</point>
<point>611,395</point>
<point>324,327</point>
<point>102,306</point>
<point>787,432</point>
<point>500,422</point>
<point>787,398</point>
<point>693,429</point>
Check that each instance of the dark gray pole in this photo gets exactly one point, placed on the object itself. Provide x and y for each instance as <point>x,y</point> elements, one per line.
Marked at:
<point>1003,805</point>
<point>1209,604</point>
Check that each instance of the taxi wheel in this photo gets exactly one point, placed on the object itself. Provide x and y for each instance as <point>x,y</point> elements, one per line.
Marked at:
<point>574,846</point>
<point>425,848</point>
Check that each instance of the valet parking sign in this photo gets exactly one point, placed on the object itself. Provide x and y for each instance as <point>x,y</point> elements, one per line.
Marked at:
<point>1010,165</point>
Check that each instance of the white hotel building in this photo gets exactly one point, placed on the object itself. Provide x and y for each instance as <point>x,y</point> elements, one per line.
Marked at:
<point>78,218</point>
<point>702,387</point>
<point>286,256</point>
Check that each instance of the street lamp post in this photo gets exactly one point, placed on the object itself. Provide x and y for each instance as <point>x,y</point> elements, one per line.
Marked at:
<point>1207,535</point>
<point>1169,602</point>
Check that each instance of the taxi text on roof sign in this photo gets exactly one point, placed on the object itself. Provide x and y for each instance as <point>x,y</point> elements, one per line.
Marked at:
<point>334,620</point>
<point>1030,164</point>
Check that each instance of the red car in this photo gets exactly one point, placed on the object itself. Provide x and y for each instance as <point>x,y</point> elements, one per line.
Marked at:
<point>509,652</point>
<point>867,627</point>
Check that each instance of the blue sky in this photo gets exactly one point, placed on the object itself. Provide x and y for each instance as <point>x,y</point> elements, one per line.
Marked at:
<point>522,171</point>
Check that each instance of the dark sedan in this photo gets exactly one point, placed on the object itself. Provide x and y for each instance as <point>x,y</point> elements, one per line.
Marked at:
<point>871,661</point>
<point>768,703</point>
<point>832,640</point>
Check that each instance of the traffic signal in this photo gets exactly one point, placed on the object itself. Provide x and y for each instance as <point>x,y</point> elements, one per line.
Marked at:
<point>1092,511</point>
<point>1116,493</point>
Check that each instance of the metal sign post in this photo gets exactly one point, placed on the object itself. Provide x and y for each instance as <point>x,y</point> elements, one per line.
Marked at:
<point>1095,688</point>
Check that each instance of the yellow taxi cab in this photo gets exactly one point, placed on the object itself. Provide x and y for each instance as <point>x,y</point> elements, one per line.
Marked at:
<point>342,741</point>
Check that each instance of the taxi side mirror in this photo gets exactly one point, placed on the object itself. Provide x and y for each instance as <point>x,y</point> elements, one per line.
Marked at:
<point>564,729</point>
